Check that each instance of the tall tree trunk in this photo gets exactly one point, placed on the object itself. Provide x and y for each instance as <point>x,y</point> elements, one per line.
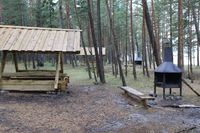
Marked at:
<point>112,6</point>
<point>149,55</point>
<point>115,63</point>
<point>68,21</point>
<point>61,14</point>
<point>144,53</point>
<point>132,38</point>
<point>69,26</point>
<point>116,45</point>
<point>83,42</point>
<point>143,45</point>
<point>92,59</point>
<point>190,42</point>
<point>171,22</point>
<point>180,34</point>
<point>156,50</point>
<point>155,26</point>
<point>137,46</point>
<point>127,38</point>
<point>197,31</point>
<point>38,14</point>
<point>198,45</point>
<point>113,67</point>
<point>101,67</point>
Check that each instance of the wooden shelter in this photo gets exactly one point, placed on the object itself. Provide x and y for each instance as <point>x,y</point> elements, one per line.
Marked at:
<point>17,40</point>
<point>90,51</point>
<point>90,54</point>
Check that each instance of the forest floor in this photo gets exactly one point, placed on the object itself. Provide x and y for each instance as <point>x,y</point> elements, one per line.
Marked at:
<point>88,108</point>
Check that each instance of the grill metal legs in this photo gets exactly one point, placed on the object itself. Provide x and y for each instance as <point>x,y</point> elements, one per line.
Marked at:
<point>164,93</point>
<point>154,90</point>
<point>181,91</point>
<point>170,91</point>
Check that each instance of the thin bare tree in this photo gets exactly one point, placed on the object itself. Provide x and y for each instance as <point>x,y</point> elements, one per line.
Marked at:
<point>99,67</point>
<point>83,42</point>
<point>132,39</point>
<point>180,34</point>
<point>115,44</point>
<point>197,30</point>
<point>151,33</point>
<point>101,74</point>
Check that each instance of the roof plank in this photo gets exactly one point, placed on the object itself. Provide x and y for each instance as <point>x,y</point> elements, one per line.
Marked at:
<point>70,42</point>
<point>17,45</point>
<point>25,41</point>
<point>77,42</point>
<point>59,39</point>
<point>4,38</point>
<point>41,40</point>
<point>65,41</point>
<point>50,41</point>
<point>12,40</point>
<point>33,41</point>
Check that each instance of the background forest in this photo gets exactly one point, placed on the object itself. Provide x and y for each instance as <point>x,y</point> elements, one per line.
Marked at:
<point>129,29</point>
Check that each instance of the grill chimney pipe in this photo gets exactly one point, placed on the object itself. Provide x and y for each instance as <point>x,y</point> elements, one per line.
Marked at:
<point>168,54</point>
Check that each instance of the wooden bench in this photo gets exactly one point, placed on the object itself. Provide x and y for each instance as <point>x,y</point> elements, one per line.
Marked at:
<point>33,81</point>
<point>137,95</point>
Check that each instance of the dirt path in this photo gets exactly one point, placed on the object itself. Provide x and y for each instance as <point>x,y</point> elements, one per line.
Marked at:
<point>89,109</point>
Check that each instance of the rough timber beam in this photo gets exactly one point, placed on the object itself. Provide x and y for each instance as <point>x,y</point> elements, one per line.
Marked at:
<point>3,62</point>
<point>57,70</point>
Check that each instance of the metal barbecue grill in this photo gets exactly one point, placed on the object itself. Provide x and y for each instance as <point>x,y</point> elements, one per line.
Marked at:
<point>167,75</point>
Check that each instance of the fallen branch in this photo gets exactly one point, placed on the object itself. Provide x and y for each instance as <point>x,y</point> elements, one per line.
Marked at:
<point>184,81</point>
<point>188,129</point>
<point>182,106</point>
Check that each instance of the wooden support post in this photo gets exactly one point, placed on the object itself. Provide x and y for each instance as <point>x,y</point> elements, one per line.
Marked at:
<point>3,62</point>
<point>15,61</point>
<point>61,63</point>
<point>57,70</point>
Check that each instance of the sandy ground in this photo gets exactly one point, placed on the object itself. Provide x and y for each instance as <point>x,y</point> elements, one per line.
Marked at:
<point>91,109</point>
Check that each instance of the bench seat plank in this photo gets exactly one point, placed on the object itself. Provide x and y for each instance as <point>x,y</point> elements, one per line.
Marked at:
<point>132,91</point>
<point>137,94</point>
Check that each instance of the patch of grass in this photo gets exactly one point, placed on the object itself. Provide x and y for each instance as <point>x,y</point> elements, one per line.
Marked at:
<point>142,81</point>
<point>79,75</point>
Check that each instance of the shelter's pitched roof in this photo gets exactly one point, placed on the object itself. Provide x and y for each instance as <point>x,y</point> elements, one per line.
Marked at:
<point>91,51</point>
<point>18,38</point>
